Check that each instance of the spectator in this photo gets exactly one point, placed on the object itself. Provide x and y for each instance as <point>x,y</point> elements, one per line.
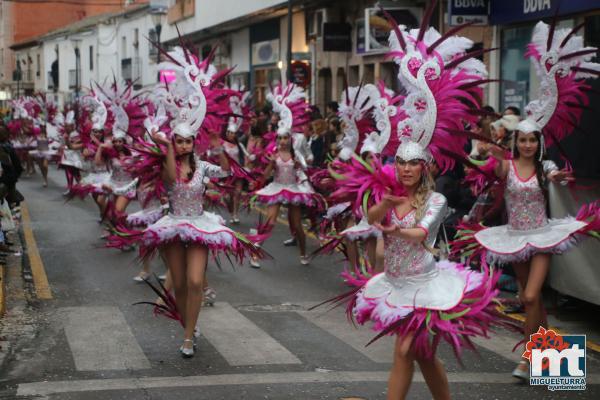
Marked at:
<point>317,141</point>
<point>331,110</point>
<point>502,129</point>
<point>512,110</point>
<point>11,168</point>
<point>331,138</point>
<point>315,113</point>
<point>272,126</point>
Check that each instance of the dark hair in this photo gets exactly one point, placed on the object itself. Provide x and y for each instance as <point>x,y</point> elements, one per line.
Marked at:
<point>333,105</point>
<point>292,152</point>
<point>539,167</point>
<point>488,108</point>
<point>515,110</point>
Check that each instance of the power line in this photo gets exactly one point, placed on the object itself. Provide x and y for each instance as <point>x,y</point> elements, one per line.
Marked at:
<point>70,2</point>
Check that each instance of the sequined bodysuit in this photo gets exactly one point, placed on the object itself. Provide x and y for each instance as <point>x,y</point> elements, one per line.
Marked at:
<point>525,201</point>
<point>186,198</point>
<point>409,259</point>
<point>285,172</point>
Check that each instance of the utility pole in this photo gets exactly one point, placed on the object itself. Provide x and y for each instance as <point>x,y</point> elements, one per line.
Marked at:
<point>289,43</point>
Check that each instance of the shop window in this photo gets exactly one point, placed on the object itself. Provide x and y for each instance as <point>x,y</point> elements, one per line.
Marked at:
<point>515,68</point>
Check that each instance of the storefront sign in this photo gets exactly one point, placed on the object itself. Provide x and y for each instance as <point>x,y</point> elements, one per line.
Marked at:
<point>463,11</point>
<point>337,37</point>
<point>508,12</point>
<point>301,73</point>
<point>167,76</point>
<point>377,28</point>
<point>514,94</point>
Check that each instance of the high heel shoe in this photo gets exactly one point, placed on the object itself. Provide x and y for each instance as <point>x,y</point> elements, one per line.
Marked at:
<point>521,371</point>
<point>187,352</point>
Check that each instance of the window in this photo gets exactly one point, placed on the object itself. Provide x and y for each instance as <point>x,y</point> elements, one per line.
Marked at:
<point>152,50</point>
<point>38,64</point>
<point>136,37</point>
<point>124,47</point>
<point>91,58</point>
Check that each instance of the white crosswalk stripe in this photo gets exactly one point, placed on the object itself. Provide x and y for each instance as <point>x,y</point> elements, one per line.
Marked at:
<point>100,339</point>
<point>239,340</point>
<point>336,323</point>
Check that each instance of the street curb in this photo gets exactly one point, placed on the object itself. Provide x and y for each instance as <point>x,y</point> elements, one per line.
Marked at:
<point>2,292</point>
<point>590,345</point>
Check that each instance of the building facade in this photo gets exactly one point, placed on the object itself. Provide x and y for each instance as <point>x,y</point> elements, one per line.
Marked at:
<point>70,59</point>
<point>20,21</point>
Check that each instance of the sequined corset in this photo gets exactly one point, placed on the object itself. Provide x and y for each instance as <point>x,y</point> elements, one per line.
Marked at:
<point>232,150</point>
<point>118,173</point>
<point>525,202</point>
<point>185,198</point>
<point>406,258</point>
<point>285,172</point>
<point>143,197</point>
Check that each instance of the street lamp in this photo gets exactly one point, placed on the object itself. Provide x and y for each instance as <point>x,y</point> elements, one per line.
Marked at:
<point>157,21</point>
<point>75,42</point>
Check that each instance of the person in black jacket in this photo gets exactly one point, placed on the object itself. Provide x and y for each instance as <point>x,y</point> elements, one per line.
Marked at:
<point>11,168</point>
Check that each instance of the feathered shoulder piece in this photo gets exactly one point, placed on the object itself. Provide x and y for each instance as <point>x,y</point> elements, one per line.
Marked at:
<point>364,184</point>
<point>562,62</point>
<point>442,80</point>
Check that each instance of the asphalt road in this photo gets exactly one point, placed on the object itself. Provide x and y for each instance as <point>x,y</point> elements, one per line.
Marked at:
<point>258,342</point>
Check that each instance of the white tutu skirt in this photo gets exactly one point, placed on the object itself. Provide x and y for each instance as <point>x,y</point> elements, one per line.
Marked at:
<point>147,216</point>
<point>72,158</point>
<point>207,229</point>
<point>452,303</point>
<point>361,231</point>
<point>96,180</point>
<point>337,210</point>
<point>126,189</point>
<point>41,155</point>
<point>294,194</point>
<point>504,245</point>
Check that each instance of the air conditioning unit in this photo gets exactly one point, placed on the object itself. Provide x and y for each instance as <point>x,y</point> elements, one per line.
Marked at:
<point>315,23</point>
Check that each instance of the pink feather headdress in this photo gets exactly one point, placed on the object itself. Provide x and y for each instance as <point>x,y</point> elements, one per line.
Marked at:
<point>562,63</point>
<point>442,81</point>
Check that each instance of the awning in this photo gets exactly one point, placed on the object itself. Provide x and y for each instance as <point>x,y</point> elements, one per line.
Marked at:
<point>508,12</point>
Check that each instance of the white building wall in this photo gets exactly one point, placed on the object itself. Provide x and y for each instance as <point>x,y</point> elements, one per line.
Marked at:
<point>240,50</point>
<point>211,12</point>
<point>147,66</point>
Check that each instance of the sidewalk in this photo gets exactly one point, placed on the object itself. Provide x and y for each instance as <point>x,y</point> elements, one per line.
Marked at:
<point>17,295</point>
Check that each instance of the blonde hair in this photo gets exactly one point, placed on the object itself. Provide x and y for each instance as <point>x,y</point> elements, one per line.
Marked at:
<point>426,187</point>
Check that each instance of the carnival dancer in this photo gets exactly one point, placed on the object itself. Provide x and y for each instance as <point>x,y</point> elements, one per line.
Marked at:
<point>236,151</point>
<point>72,161</point>
<point>43,152</point>
<point>362,110</point>
<point>188,232</point>
<point>290,184</point>
<point>530,237</point>
<point>121,187</point>
<point>420,300</point>
<point>97,175</point>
